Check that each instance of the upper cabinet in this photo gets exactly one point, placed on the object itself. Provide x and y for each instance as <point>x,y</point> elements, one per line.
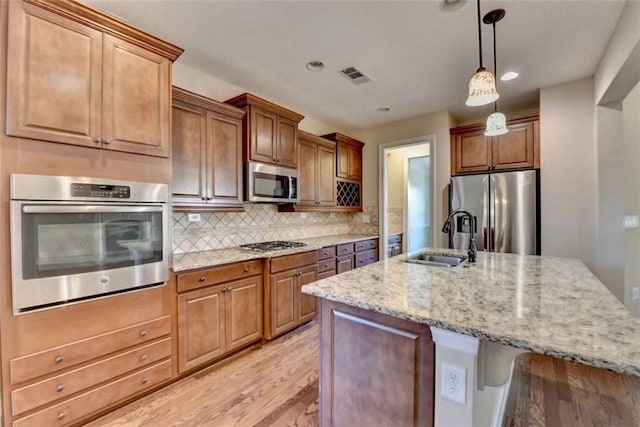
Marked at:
<point>473,152</point>
<point>270,131</point>
<point>207,153</point>
<point>348,172</point>
<point>78,77</point>
<point>316,171</point>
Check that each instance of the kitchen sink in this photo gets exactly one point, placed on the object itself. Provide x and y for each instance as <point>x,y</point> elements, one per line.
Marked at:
<point>437,260</point>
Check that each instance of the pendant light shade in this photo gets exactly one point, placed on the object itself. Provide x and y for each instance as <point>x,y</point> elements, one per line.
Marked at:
<point>482,86</point>
<point>496,124</point>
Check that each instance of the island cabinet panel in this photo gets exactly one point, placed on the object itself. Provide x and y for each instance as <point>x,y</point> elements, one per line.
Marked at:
<point>77,77</point>
<point>207,154</point>
<point>285,305</point>
<point>473,152</point>
<point>220,312</point>
<point>374,369</point>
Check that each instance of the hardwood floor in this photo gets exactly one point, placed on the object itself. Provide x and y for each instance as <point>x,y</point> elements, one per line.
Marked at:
<point>552,392</point>
<point>276,385</point>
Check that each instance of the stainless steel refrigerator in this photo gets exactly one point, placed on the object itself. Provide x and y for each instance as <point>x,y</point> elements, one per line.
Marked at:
<point>505,206</point>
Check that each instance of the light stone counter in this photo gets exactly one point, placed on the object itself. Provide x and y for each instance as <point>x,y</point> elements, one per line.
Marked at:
<point>194,260</point>
<point>554,306</point>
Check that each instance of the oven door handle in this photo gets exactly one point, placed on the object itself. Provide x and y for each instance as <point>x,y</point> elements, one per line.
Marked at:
<point>36,209</point>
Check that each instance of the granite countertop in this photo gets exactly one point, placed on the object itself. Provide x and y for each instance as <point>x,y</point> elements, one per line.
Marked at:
<point>194,260</point>
<point>547,305</point>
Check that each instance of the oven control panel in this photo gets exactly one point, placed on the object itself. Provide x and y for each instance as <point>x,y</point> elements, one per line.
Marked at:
<point>79,189</point>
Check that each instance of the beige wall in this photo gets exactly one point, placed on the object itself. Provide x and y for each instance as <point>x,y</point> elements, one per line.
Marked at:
<point>436,124</point>
<point>631,126</point>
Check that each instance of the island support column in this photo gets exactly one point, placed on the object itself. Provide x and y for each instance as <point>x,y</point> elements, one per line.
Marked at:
<point>375,369</point>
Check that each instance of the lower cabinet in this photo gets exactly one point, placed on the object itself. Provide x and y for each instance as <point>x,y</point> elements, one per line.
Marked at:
<point>394,245</point>
<point>286,307</point>
<point>222,315</point>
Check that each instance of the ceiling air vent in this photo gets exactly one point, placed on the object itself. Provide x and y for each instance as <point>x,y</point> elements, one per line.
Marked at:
<point>354,75</point>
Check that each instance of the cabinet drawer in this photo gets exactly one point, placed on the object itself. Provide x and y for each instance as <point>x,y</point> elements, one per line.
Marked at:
<point>394,238</point>
<point>366,245</point>
<point>213,276</point>
<point>366,258</point>
<point>327,265</point>
<point>326,253</point>
<point>80,406</point>
<point>30,397</point>
<point>65,356</point>
<point>293,261</point>
<point>326,274</point>
<point>345,249</point>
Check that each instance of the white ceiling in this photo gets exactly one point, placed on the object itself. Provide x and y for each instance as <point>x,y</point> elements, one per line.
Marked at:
<point>418,56</point>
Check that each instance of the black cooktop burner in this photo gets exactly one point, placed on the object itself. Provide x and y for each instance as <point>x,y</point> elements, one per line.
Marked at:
<point>275,245</point>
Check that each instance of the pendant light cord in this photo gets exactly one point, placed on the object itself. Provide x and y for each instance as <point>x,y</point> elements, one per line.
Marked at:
<point>479,36</point>
<point>495,64</point>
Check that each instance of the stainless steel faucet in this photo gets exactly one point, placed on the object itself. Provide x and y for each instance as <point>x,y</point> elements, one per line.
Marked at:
<point>471,252</point>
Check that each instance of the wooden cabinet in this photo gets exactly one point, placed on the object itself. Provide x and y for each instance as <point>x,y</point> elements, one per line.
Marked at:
<point>473,152</point>
<point>394,244</point>
<point>366,252</point>
<point>348,172</point>
<point>52,379</point>
<point>286,307</point>
<point>221,312</point>
<point>326,262</point>
<point>270,131</point>
<point>207,153</point>
<point>77,77</point>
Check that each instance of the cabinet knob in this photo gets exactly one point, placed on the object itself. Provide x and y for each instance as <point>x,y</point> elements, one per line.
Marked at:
<point>59,359</point>
<point>61,415</point>
<point>97,140</point>
<point>144,381</point>
<point>246,269</point>
<point>202,279</point>
<point>143,333</point>
<point>107,141</point>
<point>144,358</point>
<point>326,265</point>
<point>59,388</point>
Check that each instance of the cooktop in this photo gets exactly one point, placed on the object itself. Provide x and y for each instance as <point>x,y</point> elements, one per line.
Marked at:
<point>274,245</point>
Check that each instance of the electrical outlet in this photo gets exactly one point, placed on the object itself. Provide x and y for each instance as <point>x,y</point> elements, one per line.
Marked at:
<point>366,219</point>
<point>632,221</point>
<point>193,217</point>
<point>453,384</point>
<point>635,293</point>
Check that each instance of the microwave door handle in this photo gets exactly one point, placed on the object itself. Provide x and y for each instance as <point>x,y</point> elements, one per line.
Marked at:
<point>35,209</point>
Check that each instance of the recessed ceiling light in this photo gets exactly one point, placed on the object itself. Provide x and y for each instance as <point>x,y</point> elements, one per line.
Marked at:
<point>509,75</point>
<point>384,109</point>
<point>449,5</point>
<point>315,65</point>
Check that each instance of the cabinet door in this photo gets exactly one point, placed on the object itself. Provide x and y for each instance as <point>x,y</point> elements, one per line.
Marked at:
<point>355,162</point>
<point>287,143</point>
<point>307,307</point>
<point>342,160</point>
<point>244,312</point>
<point>188,156</point>
<point>515,149</point>
<point>54,77</point>
<point>472,152</point>
<point>283,302</point>
<point>201,327</point>
<point>136,99</point>
<point>224,157</point>
<point>344,263</point>
<point>263,135</point>
<point>307,173</point>
<point>325,179</point>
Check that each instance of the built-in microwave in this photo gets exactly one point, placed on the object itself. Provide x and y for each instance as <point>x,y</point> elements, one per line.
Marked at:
<point>74,239</point>
<point>269,183</point>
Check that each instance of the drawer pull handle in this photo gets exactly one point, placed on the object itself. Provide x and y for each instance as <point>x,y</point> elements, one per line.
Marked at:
<point>143,333</point>
<point>59,388</point>
<point>61,415</point>
<point>97,140</point>
<point>59,359</point>
<point>144,381</point>
<point>202,279</point>
<point>326,265</point>
<point>144,358</point>
<point>246,269</point>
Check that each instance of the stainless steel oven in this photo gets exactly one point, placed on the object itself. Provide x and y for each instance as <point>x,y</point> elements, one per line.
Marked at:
<point>268,183</point>
<point>74,239</point>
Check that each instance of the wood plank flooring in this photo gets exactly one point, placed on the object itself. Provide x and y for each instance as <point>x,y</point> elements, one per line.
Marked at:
<point>552,392</point>
<point>276,385</point>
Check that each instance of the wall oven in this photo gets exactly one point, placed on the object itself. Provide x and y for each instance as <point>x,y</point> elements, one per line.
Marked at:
<point>74,239</point>
<point>268,183</point>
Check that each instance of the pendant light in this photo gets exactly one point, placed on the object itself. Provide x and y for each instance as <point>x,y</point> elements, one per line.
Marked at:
<point>482,86</point>
<point>496,122</point>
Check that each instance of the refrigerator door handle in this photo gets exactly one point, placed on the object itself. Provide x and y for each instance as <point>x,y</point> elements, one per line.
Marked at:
<point>484,237</point>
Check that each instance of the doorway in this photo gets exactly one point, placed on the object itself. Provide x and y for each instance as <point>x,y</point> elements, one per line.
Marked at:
<point>406,205</point>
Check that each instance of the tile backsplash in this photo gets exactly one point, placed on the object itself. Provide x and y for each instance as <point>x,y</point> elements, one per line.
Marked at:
<point>263,222</point>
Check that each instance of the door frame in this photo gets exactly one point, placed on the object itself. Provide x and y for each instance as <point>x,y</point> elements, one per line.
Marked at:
<point>382,185</point>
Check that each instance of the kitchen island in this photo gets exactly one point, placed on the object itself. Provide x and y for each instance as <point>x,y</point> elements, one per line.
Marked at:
<point>405,324</point>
